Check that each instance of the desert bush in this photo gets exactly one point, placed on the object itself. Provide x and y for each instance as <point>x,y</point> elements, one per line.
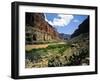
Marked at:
<point>54,62</point>
<point>77,59</point>
<point>33,56</point>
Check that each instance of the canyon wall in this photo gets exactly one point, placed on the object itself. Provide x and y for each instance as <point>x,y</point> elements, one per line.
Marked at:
<point>37,29</point>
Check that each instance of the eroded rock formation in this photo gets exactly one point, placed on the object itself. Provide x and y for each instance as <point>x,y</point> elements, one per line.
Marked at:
<point>37,29</point>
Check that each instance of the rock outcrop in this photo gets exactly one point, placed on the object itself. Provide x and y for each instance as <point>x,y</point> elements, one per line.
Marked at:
<point>83,28</point>
<point>37,29</point>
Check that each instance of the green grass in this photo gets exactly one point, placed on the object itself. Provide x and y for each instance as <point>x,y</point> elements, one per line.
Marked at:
<point>60,48</point>
<point>58,56</point>
<point>36,54</point>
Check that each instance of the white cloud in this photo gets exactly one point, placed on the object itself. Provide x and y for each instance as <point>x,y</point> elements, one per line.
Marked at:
<point>60,20</point>
<point>45,17</point>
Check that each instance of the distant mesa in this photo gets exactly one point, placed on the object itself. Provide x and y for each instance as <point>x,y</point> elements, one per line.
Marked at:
<point>64,36</point>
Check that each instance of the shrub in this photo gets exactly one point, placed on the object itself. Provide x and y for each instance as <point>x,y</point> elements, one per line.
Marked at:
<point>33,56</point>
<point>77,59</point>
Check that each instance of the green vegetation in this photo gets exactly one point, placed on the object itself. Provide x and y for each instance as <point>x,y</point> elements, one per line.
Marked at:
<point>79,59</point>
<point>35,55</point>
<point>74,52</point>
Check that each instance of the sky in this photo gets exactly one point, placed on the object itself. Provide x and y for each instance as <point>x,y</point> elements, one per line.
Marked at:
<point>65,23</point>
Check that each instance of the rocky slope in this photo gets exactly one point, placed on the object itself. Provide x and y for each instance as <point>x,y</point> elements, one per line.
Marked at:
<point>83,28</point>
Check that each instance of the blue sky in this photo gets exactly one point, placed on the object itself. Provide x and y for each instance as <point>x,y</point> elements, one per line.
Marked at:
<point>65,23</point>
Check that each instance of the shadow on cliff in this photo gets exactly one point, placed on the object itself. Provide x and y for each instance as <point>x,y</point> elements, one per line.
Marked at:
<point>83,28</point>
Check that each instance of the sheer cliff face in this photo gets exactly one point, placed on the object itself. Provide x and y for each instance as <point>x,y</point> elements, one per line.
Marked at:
<point>37,29</point>
<point>83,28</point>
